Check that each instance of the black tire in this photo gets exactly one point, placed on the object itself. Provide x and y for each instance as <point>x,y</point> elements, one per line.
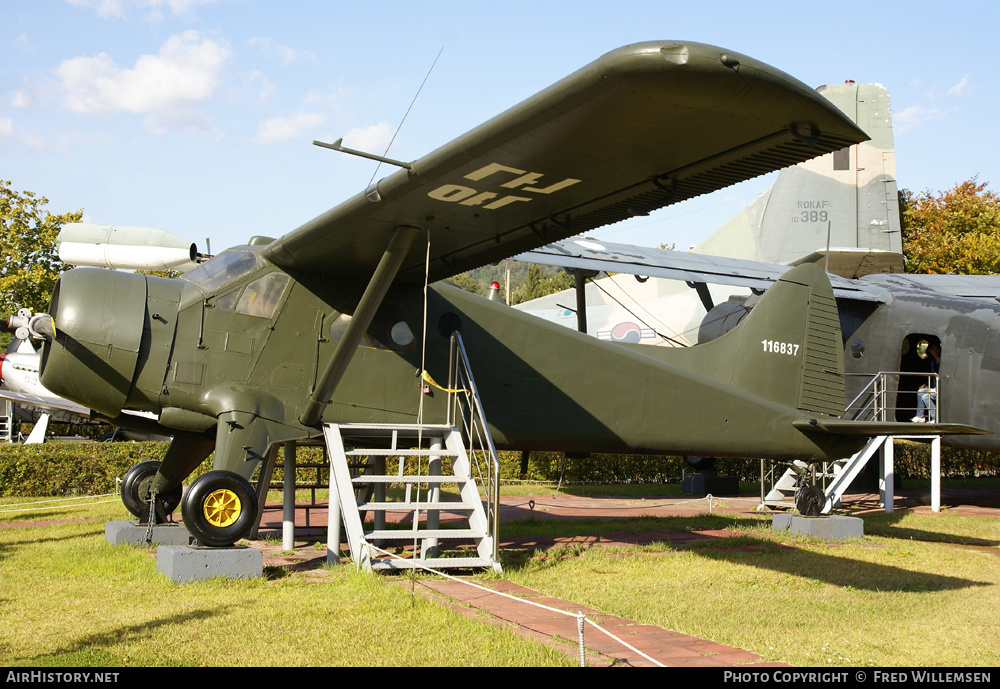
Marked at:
<point>702,464</point>
<point>219,508</point>
<point>135,491</point>
<point>115,436</point>
<point>809,500</point>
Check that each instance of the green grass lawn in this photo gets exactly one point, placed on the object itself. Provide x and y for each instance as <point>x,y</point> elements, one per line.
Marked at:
<point>917,590</point>
<point>69,598</point>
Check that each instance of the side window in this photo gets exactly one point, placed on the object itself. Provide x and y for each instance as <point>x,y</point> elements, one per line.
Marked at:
<point>227,302</point>
<point>388,330</point>
<point>261,297</point>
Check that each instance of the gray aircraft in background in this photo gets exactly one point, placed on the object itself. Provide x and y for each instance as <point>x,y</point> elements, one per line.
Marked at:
<point>840,210</point>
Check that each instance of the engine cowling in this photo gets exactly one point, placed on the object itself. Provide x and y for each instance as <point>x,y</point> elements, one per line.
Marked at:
<point>102,330</point>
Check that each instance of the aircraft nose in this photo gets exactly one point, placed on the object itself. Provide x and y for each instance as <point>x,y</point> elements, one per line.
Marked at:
<point>91,357</point>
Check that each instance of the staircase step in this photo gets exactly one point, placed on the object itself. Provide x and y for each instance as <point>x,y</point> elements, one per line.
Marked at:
<point>434,562</point>
<point>401,535</point>
<point>406,478</point>
<point>385,430</point>
<point>401,453</point>
<point>450,506</point>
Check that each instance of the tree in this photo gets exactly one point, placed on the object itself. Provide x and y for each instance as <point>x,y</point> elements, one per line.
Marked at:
<point>468,284</point>
<point>957,231</point>
<point>29,264</point>
<point>538,285</point>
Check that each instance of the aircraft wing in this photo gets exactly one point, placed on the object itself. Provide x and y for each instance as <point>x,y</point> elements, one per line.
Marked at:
<point>52,404</point>
<point>640,128</point>
<point>609,257</point>
<point>970,286</point>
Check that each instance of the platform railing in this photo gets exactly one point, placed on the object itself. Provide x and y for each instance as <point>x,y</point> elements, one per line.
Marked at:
<point>878,400</point>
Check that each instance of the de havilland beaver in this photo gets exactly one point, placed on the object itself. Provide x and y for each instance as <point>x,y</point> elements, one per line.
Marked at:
<point>265,343</point>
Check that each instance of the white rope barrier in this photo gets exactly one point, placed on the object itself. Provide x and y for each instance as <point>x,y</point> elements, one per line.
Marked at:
<point>710,499</point>
<point>17,507</point>
<point>528,602</point>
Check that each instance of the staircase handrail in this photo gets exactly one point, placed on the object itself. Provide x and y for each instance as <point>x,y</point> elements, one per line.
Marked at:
<point>462,383</point>
<point>878,387</point>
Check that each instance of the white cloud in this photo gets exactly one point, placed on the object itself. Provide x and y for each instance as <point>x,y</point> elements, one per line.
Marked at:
<point>24,44</point>
<point>6,129</point>
<point>21,99</point>
<point>278,129</point>
<point>168,88</point>
<point>34,142</point>
<point>106,9</point>
<point>915,116</point>
<point>961,88</point>
<point>373,139</point>
<point>265,89</point>
<point>281,52</point>
<point>152,9</point>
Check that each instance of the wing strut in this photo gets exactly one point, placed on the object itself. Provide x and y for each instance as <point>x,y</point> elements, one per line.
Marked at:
<point>706,297</point>
<point>580,277</point>
<point>386,271</point>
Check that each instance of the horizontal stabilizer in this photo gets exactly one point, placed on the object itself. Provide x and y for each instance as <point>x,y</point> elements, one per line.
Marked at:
<point>875,428</point>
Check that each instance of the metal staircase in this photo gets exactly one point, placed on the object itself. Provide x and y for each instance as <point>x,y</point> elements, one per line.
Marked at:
<point>404,470</point>
<point>849,470</point>
<point>832,477</point>
<point>875,402</point>
<point>6,421</point>
<point>418,473</point>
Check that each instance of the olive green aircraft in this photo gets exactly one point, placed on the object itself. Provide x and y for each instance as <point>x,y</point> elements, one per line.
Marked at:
<point>265,343</point>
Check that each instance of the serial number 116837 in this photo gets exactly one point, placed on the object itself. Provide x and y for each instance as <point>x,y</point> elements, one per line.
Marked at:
<point>775,347</point>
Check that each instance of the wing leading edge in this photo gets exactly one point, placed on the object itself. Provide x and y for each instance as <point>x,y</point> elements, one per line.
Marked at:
<point>610,257</point>
<point>642,127</point>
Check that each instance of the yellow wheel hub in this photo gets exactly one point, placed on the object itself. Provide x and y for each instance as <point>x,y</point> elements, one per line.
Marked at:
<point>222,508</point>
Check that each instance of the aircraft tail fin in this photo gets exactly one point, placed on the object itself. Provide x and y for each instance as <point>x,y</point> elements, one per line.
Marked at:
<point>845,200</point>
<point>788,349</point>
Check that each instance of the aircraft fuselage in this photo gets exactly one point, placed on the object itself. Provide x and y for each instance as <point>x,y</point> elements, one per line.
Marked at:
<point>875,338</point>
<point>230,361</point>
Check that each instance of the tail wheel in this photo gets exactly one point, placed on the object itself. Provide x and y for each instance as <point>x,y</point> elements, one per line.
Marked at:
<point>135,492</point>
<point>219,508</point>
<point>809,500</point>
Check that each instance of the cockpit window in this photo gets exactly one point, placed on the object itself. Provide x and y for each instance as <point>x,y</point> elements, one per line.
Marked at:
<point>261,297</point>
<point>227,266</point>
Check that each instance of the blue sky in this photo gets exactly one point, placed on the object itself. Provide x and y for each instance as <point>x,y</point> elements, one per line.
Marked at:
<point>221,147</point>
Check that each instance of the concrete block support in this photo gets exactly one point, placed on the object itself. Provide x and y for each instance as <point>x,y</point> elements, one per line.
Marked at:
<point>183,564</point>
<point>828,528</point>
<point>134,533</point>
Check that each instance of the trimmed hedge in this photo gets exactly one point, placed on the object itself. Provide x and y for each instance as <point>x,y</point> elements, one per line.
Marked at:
<point>69,468</point>
<point>83,468</point>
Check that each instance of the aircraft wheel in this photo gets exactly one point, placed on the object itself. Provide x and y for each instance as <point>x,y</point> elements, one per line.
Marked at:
<point>219,508</point>
<point>809,500</point>
<point>135,491</point>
